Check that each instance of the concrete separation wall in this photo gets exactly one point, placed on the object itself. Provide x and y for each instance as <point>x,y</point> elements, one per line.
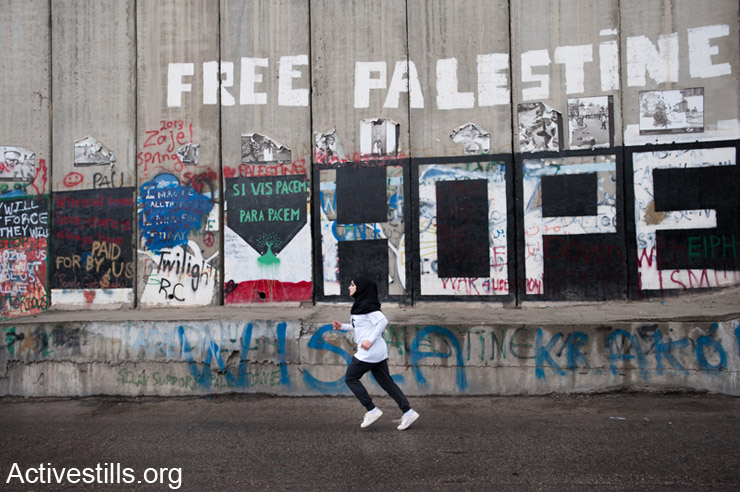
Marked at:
<point>161,155</point>
<point>176,153</point>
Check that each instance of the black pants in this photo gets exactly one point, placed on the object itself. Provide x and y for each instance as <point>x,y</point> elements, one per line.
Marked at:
<point>379,370</point>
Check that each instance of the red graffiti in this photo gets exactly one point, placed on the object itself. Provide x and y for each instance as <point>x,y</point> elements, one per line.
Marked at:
<point>321,158</point>
<point>197,181</point>
<point>89,296</point>
<point>41,177</point>
<point>209,239</point>
<point>166,135</point>
<point>73,179</point>
<point>252,170</point>
<point>162,144</point>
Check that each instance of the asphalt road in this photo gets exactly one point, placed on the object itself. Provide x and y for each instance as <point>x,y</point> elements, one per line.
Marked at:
<point>621,441</point>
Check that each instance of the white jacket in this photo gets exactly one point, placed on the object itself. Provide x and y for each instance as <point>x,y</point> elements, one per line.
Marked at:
<point>369,327</point>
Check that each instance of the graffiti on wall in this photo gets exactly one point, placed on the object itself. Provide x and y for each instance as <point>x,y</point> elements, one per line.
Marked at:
<point>267,254</point>
<point>463,229</point>
<point>573,244</point>
<point>274,357</point>
<point>570,251</point>
<point>657,59</point>
<point>94,168</point>
<point>24,233</point>
<point>687,229</point>
<point>362,220</point>
<point>92,248</point>
<point>163,150</point>
<point>327,148</point>
<point>91,152</point>
<point>473,138</point>
<point>171,213</point>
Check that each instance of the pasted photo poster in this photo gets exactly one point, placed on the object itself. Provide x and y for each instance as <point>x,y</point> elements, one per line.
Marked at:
<point>540,128</point>
<point>590,122</point>
<point>668,112</point>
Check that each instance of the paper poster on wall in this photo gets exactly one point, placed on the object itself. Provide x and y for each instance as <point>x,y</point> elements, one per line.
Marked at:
<point>90,152</point>
<point>379,137</point>
<point>259,148</point>
<point>188,154</point>
<point>540,128</point>
<point>328,147</point>
<point>474,138</point>
<point>590,122</point>
<point>17,164</point>
<point>668,112</point>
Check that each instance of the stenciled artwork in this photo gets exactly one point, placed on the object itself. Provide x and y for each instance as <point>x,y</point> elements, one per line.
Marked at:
<point>328,148</point>
<point>378,137</point>
<point>260,148</point>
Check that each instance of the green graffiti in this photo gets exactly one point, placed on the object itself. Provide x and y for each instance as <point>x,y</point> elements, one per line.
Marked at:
<point>395,336</point>
<point>10,338</point>
<point>268,240</point>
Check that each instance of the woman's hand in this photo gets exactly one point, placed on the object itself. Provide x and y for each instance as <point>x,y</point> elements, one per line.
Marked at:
<point>336,325</point>
<point>366,344</point>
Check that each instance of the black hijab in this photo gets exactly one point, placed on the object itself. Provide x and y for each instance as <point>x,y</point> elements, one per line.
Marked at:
<point>366,296</point>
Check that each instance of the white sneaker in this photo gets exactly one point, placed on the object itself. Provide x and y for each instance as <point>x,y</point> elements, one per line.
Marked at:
<point>371,417</point>
<point>408,419</point>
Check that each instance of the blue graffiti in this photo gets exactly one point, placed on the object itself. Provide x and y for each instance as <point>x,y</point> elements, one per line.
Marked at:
<point>281,334</point>
<point>202,373</point>
<point>616,352</point>
<point>574,357</point>
<point>663,351</point>
<point>708,341</point>
<point>416,355</point>
<point>356,232</point>
<point>169,211</point>
<point>317,342</point>
<point>561,354</point>
<point>737,338</point>
<point>542,355</point>
<point>573,344</point>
